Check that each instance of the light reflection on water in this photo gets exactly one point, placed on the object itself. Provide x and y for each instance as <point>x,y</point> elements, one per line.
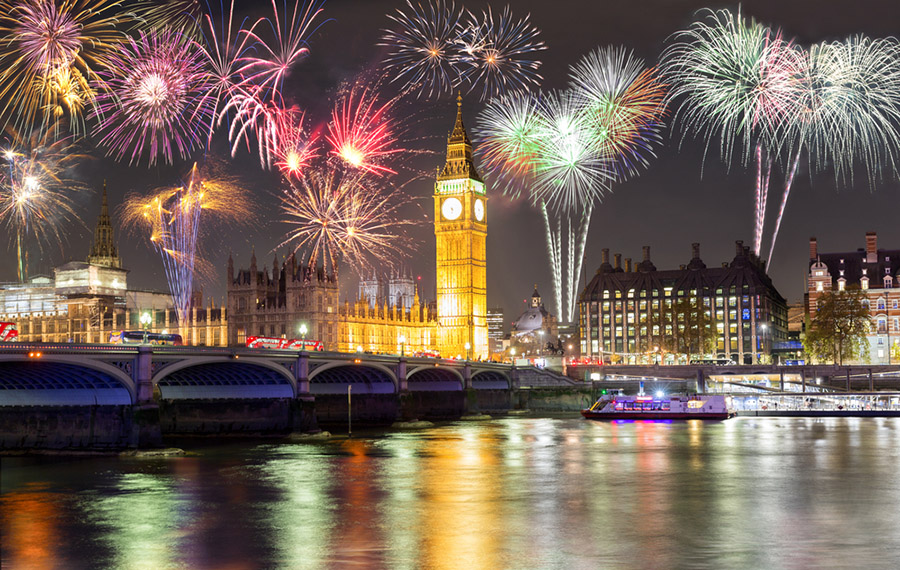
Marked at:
<point>507,493</point>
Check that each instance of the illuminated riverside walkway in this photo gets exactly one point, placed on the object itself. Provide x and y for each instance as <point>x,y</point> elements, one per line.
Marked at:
<point>68,393</point>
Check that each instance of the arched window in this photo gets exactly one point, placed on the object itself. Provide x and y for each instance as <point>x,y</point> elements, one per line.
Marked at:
<point>880,304</point>
<point>242,304</point>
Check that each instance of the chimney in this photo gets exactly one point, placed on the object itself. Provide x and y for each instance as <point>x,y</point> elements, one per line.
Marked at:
<point>813,248</point>
<point>604,255</point>
<point>739,247</point>
<point>695,250</point>
<point>617,259</point>
<point>871,247</point>
<point>627,265</point>
<point>646,253</point>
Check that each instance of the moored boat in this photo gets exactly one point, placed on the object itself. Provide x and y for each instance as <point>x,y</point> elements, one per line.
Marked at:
<point>697,407</point>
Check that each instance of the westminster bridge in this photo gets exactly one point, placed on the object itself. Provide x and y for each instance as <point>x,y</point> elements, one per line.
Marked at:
<point>93,395</point>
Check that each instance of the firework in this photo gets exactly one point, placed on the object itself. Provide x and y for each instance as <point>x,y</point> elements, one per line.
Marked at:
<point>362,132</point>
<point>35,195</point>
<point>623,102</point>
<point>508,129</point>
<point>182,15</point>
<point>338,218</point>
<point>424,47</point>
<point>254,116</point>
<point>224,49</point>
<point>50,54</point>
<point>157,105</point>
<point>173,217</point>
<point>296,146</point>
<point>286,47</point>
<point>500,53</point>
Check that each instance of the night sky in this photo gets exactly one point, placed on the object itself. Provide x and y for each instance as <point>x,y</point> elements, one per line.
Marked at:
<point>677,201</point>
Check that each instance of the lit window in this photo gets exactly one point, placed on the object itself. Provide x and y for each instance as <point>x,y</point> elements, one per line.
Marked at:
<point>820,286</point>
<point>841,283</point>
<point>864,282</point>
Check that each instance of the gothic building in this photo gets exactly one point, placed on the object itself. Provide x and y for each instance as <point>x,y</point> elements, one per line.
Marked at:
<point>85,301</point>
<point>875,271</point>
<point>388,316</point>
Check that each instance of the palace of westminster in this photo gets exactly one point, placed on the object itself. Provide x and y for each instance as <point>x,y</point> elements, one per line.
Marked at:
<point>621,311</point>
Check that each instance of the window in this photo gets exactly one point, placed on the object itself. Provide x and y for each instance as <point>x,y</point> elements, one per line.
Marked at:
<point>888,282</point>
<point>864,283</point>
<point>820,286</point>
<point>841,283</point>
<point>880,304</point>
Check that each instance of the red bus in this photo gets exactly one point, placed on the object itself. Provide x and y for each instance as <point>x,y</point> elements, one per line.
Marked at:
<point>285,343</point>
<point>8,332</point>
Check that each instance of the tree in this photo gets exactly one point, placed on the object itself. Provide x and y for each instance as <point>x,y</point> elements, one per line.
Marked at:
<point>837,331</point>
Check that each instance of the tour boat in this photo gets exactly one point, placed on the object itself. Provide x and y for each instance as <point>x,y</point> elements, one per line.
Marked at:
<point>699,407</point>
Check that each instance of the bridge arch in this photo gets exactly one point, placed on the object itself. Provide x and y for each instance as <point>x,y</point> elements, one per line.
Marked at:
<point>334,377</point>
<point>434,379</point>
<point>53,381</point>
<point>490,380</point>
<point>230,378</point>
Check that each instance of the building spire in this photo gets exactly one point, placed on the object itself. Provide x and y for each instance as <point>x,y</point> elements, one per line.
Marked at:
<point>460,163</point>
<point>103,251</point>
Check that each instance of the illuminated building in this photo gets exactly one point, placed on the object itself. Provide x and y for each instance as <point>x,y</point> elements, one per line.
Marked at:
<point>535,328</point>
<point>386,318</point>
<point>85,301</point>
<point>460,229</point>
<point>626,314</point>
<point>876,272</point>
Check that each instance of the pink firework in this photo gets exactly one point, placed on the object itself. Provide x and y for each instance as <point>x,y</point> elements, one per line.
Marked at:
<point>361,132</point>
<point>296,147</point>
<point>286,47</point>
<point>254,117</point>
<point>157,104</point>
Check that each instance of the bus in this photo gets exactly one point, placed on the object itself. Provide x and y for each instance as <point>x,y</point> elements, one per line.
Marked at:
<point>137,337</point>
<point>284,343</point>
<point>8,332</point>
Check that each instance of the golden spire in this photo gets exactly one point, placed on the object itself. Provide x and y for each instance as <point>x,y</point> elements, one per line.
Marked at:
<point>460,163</point>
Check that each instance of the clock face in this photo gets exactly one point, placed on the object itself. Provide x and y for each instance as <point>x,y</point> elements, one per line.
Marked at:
<point>451,208</point>
<point>479,209</point>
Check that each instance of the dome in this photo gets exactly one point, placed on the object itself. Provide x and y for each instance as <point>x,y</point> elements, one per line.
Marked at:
<point>531,320</point>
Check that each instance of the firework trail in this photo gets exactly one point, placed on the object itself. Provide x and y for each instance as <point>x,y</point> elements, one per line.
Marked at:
<point>156,106</point>
<point>175,218</point>
<point>254,117</point>
<point>50,53</point>
<point>362,132</point>
<point>742,83</point>
<point>35,195</point>
<point>499,52</point>
<point>337,217</point>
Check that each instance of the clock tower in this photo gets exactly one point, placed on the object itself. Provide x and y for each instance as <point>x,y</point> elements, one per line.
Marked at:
<point>460,229</point>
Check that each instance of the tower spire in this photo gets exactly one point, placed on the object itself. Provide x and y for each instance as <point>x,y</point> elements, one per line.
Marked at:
<point>103,250</point>
<point>460,163</point>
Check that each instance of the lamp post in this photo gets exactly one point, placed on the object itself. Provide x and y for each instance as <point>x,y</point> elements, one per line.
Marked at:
<point>512,353</point>
<point>145,321</point>
<point>303,331</point>
<point>468,348</point>
<point>763,327</point>
<point>402,340</point>
<point>657,355</point>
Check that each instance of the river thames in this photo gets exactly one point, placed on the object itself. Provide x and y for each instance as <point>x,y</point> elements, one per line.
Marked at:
<point>517,492</point>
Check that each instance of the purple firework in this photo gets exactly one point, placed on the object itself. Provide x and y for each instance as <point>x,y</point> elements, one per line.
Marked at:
<point>156,104</point>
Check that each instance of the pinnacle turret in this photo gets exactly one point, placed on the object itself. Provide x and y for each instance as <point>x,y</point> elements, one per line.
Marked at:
<point>103,251</point>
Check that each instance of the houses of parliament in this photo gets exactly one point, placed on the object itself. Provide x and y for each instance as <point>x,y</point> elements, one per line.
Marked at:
<point>387,317</point>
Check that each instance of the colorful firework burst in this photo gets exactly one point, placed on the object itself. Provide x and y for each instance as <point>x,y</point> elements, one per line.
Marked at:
<point>337,218</point>
<point>182,15</point>
<point>424,48</point>
<point>50,53</point>
<point>157,104</point>
<point>508,129</point>
<point>176,217</point>
<point>286,47</point>
<point>623,104</point>
<point>362,132</point>
<point>35,193</point>
<point>500,53</point>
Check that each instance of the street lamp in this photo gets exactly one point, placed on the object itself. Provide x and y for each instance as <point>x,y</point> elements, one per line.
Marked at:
<point>145,321</point>
<point>303,331</point>
<point>402,340</point>
<point>468,348</point>
<point>763,327</point>
<point>512,353</point>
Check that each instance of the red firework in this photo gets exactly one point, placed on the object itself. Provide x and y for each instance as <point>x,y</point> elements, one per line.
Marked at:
<point>361,132</point>
<point>296,147</point>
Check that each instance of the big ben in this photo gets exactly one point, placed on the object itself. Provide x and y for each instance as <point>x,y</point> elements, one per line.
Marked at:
<point>460,229</point>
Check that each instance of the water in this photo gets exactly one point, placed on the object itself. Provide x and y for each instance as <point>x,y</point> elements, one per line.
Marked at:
<point>518,493</point>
